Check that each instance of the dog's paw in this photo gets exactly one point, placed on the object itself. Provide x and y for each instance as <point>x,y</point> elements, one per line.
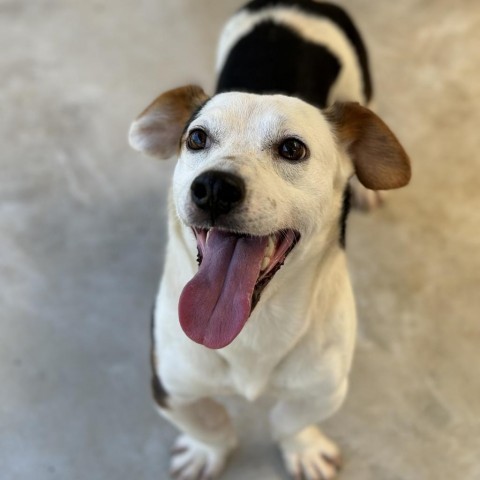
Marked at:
<point>195,460</point>
<point>309,455</point>
<point>364,198</point>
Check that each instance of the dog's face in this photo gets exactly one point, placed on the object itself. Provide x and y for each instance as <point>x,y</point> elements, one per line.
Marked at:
<point>256,174</point>
<point>276,152</point>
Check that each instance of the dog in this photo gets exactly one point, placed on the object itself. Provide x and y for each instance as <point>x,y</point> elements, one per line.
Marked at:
<point>255,297</point>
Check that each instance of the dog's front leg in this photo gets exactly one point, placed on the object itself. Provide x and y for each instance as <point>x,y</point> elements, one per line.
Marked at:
<point>201,452</point>
<point>307,453</point>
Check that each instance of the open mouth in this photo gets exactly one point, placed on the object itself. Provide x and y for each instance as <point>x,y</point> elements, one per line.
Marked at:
<point>233,271</point>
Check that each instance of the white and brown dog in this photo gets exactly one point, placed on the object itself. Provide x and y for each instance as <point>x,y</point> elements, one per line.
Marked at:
<point>261,181</point>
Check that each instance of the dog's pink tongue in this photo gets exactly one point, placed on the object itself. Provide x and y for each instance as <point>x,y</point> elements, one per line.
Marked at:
<point>215,305</point>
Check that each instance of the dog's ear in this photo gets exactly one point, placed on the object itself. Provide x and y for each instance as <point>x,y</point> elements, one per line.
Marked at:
<point>379,160</point>
<point>157,130</point>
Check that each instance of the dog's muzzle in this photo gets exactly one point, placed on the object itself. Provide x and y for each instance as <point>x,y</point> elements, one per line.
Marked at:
<point>235,265</point>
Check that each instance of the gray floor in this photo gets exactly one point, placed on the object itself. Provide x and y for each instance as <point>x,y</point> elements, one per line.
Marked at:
<point>81,239</point>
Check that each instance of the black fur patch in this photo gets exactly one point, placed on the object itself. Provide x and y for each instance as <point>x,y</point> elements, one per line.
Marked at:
<point>159,393</point>
<point>274,59</point>
<point>344,215</point>
<point>336,15</point>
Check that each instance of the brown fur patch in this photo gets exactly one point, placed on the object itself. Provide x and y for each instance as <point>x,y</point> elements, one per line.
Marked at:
<point>157,130</point>
<point>380,161</point>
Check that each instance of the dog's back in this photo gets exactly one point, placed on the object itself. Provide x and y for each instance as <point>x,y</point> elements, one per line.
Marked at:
<point>311,50</point>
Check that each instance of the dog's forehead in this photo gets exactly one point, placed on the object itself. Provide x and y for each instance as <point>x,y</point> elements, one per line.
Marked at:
<point>264,114</point>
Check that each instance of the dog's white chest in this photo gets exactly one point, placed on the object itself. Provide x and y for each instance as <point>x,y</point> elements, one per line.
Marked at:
<point>256,357</point>
<point>249,379</point>
<point>249,387</point>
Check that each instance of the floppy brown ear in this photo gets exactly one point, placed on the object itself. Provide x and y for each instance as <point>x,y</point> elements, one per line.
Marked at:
<point>157,130</point>
<point>380,161</point>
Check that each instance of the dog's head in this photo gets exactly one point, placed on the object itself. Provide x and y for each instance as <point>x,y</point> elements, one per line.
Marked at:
<point>256,174</point>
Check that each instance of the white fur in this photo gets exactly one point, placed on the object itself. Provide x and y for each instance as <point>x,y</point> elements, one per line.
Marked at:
<point>307,452</point>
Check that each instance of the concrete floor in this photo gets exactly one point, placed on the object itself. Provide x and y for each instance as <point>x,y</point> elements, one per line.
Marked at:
<point>82,236</point>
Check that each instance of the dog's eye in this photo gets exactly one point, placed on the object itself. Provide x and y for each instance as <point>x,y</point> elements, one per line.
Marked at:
<point>197,139</point>
<point>292,149</point>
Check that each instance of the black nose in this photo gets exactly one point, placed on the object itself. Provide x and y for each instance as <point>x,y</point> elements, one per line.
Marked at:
<point>217,192</point>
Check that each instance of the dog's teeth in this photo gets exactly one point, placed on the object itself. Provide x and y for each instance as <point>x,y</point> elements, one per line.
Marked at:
<point>270,247</point>
<point>265,263</point>
<point>208,234</point>
<point>269,251</point>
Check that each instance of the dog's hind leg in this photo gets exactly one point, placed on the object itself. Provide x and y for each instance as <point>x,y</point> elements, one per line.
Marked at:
<point>201,452</point>
<point>307,453</point>
<point>363,198</point>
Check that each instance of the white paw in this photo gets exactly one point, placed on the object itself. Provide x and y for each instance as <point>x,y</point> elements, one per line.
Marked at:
<point>310,455</point>
<point>364,198</point>
<point>195,460</point>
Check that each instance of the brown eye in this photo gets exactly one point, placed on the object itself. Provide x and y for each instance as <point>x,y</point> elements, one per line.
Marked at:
<point>197,139</point>
<point>292,149</point>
